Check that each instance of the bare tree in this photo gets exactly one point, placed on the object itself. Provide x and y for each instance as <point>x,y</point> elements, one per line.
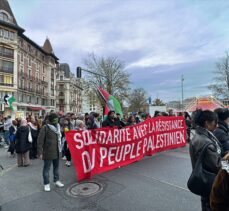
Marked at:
<point>137,99</point>
<point>116,79</point>
<point>220,88</point>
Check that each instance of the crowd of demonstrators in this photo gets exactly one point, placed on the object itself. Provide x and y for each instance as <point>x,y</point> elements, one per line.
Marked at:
<point>48,138</point>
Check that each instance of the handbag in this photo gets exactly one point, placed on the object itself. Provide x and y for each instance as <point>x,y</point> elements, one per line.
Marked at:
<point>30,139</point>
<point>200,182</point>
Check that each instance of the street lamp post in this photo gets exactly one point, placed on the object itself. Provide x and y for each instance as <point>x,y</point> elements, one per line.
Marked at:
<point>182,92</point>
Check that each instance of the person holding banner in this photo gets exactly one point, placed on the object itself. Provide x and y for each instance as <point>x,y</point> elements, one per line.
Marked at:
<point>110,120</point>
<point>48,148</point>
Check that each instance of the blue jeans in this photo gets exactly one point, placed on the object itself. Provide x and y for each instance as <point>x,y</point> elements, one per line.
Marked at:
<point>6,136</point>
<point>46,169</point>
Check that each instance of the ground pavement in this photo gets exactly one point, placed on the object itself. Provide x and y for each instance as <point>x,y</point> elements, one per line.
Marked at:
<point>156,183</point>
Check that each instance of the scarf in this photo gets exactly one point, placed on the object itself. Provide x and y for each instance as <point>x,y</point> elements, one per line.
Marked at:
<point>58,133</point>
<point>34,127</point>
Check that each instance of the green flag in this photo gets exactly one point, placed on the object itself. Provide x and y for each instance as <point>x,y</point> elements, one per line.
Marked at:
<point>9,99</point>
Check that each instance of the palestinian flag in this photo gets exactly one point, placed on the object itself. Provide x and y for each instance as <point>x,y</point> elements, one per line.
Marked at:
<point>112,104</point>
<point>9,99</point>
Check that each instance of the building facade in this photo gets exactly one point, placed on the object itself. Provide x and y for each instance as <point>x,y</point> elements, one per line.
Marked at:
<point>69,91</point>
<point>91,101</point>
<point>27,70</point>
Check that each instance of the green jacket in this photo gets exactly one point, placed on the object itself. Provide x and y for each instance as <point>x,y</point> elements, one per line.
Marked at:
<point>47,144</point>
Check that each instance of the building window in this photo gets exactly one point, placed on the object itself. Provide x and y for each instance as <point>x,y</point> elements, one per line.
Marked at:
<point>7,79</point>
<point>61,78</point>
<point>37,100</point>
<point>1,32</point>
<point>6,66</point>
<point>30,73</point>
<point>11,35</point>
<point>4,17</point>
<point>43,69</point>
<point>22,57</point>
<point>37,76</point>
<point>6,34</point>
<point>29,99</point>
<point>6,52</point>
<point>1,79</point>
<point>29,61</point>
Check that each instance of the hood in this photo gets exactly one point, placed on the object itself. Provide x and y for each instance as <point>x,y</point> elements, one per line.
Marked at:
<point>23,128</point>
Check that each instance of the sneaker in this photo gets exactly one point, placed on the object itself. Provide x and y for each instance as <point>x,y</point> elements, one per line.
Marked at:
<point>68,164</point>
<point>59,184</point>
<point>47,188</point>
<point>64,158</point>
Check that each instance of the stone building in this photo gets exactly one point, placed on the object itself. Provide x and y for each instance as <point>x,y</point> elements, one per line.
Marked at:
<point>27,70</point>
<point>69,91</point>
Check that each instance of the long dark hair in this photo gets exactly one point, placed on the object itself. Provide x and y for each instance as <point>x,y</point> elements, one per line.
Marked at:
<point>200,117</point>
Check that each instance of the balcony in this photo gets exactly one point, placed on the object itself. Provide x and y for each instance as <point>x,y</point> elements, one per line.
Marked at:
<point>61,97</point>
<point>6,84</point>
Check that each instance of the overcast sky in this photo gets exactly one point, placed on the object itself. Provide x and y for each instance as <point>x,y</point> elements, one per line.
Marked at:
<point>159,40</point>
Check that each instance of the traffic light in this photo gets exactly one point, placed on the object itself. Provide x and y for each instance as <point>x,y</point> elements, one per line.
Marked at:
<point>78,72</point>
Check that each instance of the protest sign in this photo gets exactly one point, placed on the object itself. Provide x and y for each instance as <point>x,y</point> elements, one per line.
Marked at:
<point>104,149</point>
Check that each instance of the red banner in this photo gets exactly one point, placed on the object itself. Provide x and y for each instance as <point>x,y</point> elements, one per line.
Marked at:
<point>104,149</point>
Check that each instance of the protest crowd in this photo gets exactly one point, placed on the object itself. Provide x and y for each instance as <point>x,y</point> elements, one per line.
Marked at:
<point>44,138</point>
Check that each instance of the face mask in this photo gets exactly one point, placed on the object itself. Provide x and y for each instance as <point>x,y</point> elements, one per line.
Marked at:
<point>55,121</point>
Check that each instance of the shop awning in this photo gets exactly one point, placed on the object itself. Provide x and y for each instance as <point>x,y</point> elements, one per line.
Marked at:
<point>35,108</point>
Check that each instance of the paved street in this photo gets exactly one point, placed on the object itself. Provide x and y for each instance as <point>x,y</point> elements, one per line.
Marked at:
<point>156,183</point>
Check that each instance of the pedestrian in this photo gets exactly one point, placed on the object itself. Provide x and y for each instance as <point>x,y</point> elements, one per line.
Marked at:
<point>12,137</point>
<point>220,191</point>
<point>96,120</point>
<point>22,144</point>
<point>66,149</point>
<point>131,120</point>
<point>34,128</point>
<point>72,122</point>
<point>110,120</point>
<point>222,130</point>
<point>157,113</point>
<point>188,123</point>
<point>48,148</point>
<point>7,125</point>
<point>119,121</point>
<point>80,125</point>
<point>205,122</point>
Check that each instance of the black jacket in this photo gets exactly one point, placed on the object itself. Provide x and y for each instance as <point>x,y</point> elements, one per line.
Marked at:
<point>108,122</point>
<point>222,134</point>
<point>22,144</point>
<point>212,158</point>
